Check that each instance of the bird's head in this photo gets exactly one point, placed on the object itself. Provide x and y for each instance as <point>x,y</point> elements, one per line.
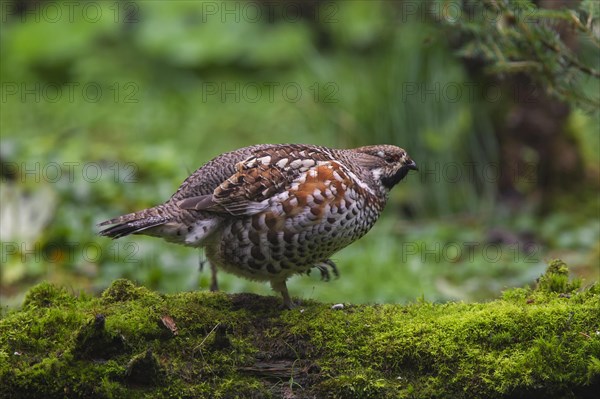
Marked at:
<point>388,164</point>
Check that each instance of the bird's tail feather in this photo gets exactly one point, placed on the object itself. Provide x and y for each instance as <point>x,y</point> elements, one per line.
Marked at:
<point>134,223</point>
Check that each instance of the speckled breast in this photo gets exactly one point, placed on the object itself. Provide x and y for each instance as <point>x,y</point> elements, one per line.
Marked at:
<point>322,212</point>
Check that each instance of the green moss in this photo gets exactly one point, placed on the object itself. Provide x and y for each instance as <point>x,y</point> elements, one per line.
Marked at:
<point>358,385</point>
<point>556,279</point>
<point>47,295</point>
<point>144,369</point>
<point>541,342</point>
<point>94,342</point>
<point>123,290</point>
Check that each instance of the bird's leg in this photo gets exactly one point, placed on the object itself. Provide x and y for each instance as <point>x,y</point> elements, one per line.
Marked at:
<point>324,269</point>
<point>280,286</point>
<point>201,261</point>
<point>214,285</point>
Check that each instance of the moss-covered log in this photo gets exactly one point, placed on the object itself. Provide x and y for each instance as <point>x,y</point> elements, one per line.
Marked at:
<point>132,342</point>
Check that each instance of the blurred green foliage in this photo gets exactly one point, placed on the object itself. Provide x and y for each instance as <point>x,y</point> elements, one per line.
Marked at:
<point>106,109</point>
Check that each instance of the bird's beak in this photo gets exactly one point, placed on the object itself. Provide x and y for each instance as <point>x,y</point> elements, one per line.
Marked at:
<point>411,165</point>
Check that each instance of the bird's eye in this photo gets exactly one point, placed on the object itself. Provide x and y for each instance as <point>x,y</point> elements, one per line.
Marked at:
<point>391,158</point>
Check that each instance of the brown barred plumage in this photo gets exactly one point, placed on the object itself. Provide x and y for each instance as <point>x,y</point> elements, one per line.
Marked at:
<point>267,212</point>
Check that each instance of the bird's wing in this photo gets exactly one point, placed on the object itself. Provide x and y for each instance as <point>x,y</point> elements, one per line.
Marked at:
<point>256,179</point>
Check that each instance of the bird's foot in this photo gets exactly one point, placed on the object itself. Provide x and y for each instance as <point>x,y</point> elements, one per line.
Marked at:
<point>324,269</point>
<point>288,306</point>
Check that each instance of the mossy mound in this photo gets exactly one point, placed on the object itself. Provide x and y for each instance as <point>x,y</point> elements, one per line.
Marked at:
<point>132,342</point>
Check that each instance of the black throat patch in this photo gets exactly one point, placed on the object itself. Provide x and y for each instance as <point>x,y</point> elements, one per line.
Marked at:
<point>391,181</point>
